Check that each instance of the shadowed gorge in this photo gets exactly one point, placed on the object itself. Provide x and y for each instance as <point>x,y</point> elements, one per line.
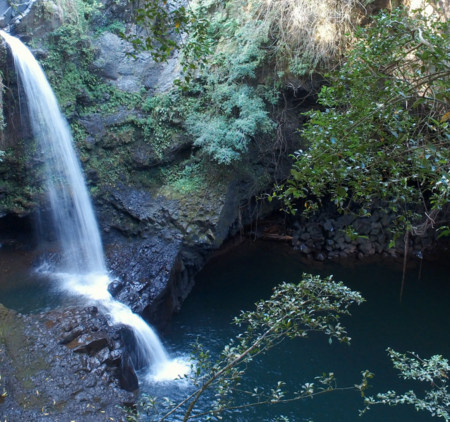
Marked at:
<point>191,158</point>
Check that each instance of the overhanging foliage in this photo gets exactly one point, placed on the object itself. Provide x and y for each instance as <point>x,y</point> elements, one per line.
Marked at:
<point>315,304</point>
<point>381,133</point>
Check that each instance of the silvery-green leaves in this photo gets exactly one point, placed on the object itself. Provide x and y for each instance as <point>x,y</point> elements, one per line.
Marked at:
<point>434,372</point>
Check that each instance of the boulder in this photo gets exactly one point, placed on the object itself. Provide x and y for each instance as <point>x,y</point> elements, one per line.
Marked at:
<point>39,19</point>
<point>11,11</point>
<point>114,63</point>
<point>127,378</point>
<point>149,276</point>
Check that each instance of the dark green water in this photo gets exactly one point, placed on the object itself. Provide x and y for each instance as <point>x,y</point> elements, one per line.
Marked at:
<point>234,281</point>
<point>21,288</point>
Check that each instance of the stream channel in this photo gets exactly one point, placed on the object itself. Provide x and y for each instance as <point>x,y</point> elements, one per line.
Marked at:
<point>236,279</point>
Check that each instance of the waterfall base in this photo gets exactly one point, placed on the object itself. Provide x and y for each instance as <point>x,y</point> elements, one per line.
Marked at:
<point>147,354</point>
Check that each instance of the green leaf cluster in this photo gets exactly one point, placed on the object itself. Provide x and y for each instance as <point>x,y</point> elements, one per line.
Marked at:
<point>164,23</point>
<point>233,104</point>
<point>67,63</point>
<point>315,304</point>
<point>224,132</point>
<point>381,133</point>
<point>434,372</point>
<point>183,180</point>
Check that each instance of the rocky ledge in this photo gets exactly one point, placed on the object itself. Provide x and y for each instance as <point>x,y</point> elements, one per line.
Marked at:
<point>152,279</point>
<point>63,364</point>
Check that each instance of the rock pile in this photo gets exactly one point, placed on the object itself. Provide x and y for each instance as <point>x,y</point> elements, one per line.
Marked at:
<point>331,236</point>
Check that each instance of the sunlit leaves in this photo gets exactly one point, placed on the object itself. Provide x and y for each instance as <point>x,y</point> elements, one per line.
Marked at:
<point>165,25</point>
<point>381,135</point>
<point>315,304</point>
<point>434,372</point>
<point>240,115</point>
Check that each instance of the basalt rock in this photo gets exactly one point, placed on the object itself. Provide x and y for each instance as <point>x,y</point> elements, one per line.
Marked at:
<point>39,19</point>
<point>152,279</point>
<point>12,11</point>
<point>114,63</point>
<point>330,235</point>
<point>61,363</point>
<point>155,244</point>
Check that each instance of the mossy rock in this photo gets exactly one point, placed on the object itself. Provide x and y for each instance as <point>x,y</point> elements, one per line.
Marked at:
<point>15,358</point>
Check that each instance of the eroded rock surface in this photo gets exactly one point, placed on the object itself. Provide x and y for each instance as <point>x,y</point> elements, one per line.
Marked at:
<point>114,63</point>
<point>61,364</point>
<point>152,279</point>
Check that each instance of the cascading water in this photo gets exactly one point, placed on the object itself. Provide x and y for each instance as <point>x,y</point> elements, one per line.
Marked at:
<point>83,269</point>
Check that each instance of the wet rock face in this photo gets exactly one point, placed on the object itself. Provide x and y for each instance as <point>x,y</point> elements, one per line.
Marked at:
<point>155,245</point>
<point>136,212</point>
<point>11,11</point>
<point>63,364</point>
<point>152,279</point>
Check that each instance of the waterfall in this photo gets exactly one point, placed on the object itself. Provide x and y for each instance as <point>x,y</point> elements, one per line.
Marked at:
<point>83,269</point>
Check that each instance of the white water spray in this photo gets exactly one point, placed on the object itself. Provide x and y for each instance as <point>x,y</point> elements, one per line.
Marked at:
<point>83,270</point>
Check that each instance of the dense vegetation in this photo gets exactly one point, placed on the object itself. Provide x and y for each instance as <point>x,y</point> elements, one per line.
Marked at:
<point>380,136</point>
<point>382,110</point>
<point>238,59</point>
<point>377,138</point>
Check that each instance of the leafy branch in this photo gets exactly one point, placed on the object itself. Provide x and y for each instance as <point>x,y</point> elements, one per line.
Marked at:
<point>166,26</point>
<point>380,137</point>
<point>434,371</point>
<point>293,311</point>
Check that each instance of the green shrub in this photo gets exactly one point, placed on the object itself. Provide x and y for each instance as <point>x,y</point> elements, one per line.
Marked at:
<point>236,59</point>
<point>224,135</point>
<point>381,133</point>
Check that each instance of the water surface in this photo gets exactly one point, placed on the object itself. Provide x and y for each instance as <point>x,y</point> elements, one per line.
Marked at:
<point>420,322</point>
<point>235,280</point>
